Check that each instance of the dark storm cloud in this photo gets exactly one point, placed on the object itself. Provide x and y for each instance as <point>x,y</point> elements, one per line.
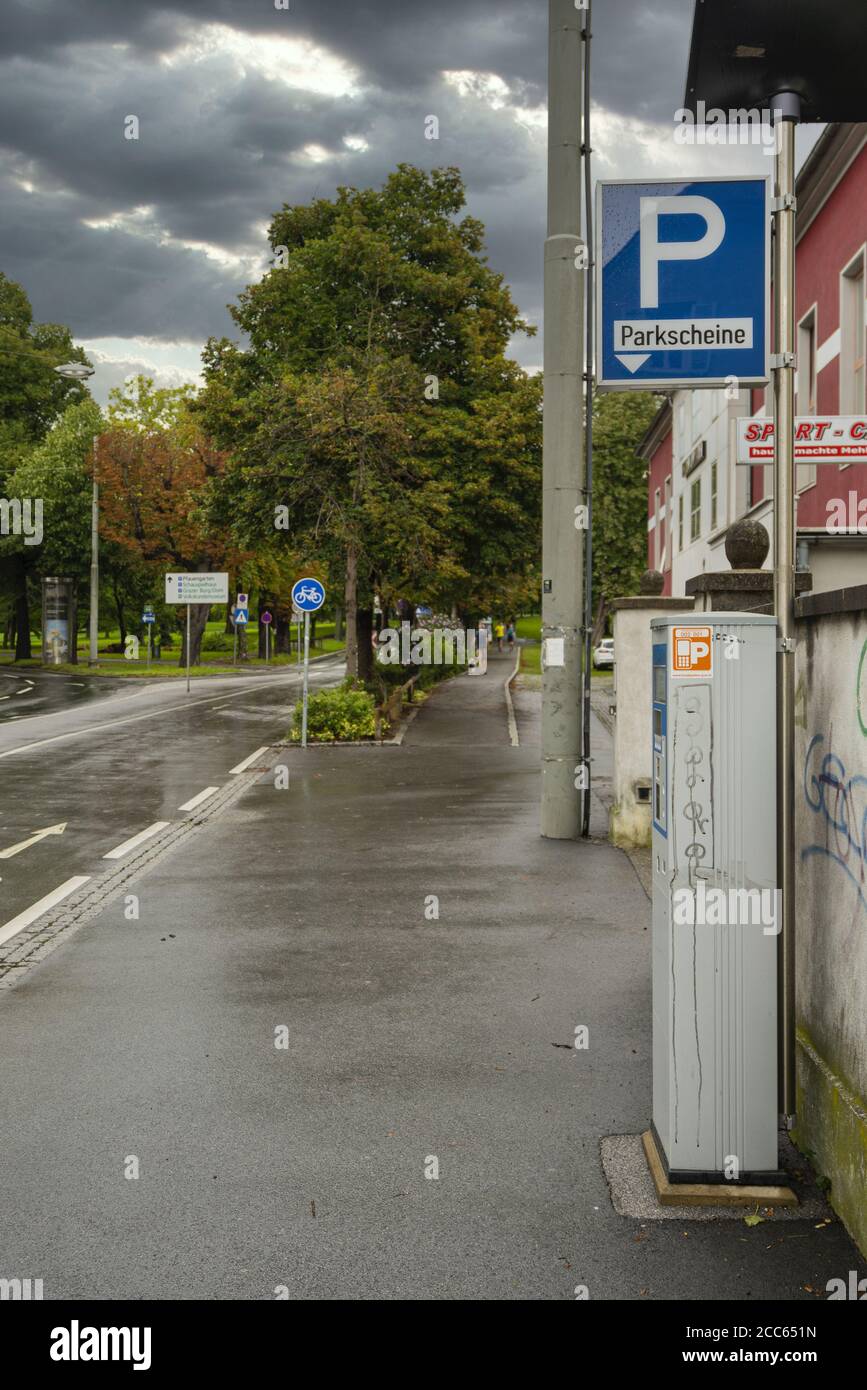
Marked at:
<point>222,144</point>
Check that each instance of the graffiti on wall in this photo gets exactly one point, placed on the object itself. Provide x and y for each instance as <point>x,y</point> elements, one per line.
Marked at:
<point>840,802</point>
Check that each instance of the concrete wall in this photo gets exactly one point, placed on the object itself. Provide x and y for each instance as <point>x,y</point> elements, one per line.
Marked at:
<point>629,818</point>
<point>831,866</point>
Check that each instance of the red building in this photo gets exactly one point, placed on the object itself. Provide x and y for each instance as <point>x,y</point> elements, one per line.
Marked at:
<point>695,489</point>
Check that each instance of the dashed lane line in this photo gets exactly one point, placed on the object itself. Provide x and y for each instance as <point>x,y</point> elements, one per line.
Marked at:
<point>242,767</point>
<point>197,800</point>
<point>30,914</point>
<point>135,840</point>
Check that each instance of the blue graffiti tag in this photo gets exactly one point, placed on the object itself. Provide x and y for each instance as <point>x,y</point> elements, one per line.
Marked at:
<point>844,809</point>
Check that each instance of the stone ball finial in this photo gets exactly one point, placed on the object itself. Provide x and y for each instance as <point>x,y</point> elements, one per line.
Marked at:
<point>651,582</point>
<point>747,544</point>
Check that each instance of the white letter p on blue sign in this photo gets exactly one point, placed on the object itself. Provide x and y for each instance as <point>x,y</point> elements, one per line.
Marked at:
<point>653,250</point>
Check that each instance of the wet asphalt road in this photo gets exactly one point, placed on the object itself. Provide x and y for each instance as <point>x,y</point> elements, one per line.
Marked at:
<point>117,756</point>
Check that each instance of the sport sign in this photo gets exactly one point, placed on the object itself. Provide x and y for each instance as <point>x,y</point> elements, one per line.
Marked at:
<point>684,283</point>
<point>818,439</point>
<point>212,587</point>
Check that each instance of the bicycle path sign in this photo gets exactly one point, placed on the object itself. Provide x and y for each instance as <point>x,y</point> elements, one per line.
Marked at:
<point>308,595</point>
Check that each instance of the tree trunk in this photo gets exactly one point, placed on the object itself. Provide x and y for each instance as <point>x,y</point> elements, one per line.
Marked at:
<point>198,621</point>
<point>118,605</point>
<point>23,650</point>
<point>351,604</point>
<point>282,635</point>
<point>338,624</point>
<point>599,623</point>
<point>364,643</point>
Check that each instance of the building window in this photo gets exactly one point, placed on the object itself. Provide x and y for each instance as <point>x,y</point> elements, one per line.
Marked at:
<point>666,553</point>
<point>713,496</point>
<point>680,522</point>
<point>806,472</point>
<point>695,510</point>
<point>657,521</point>
<point>852,375</point>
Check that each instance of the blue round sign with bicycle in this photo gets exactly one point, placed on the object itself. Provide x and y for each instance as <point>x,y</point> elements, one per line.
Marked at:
<point>308,595</point>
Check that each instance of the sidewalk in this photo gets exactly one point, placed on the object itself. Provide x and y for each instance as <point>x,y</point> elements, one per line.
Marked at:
<point>429,956</point>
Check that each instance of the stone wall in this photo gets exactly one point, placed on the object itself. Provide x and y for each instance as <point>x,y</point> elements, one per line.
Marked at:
<point>831,867</point>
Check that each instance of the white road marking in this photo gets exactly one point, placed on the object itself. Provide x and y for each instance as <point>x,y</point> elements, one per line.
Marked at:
<point>5,697</point>
<point>17,924</point>
<point>242,767</point>
<point>131,718</point>
<point>197,800</point>
<point>133,843</point>
<point>34,840</point>
<point>25,690</point>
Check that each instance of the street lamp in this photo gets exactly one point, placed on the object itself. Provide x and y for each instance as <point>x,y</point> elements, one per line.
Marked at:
<point>80,371</point>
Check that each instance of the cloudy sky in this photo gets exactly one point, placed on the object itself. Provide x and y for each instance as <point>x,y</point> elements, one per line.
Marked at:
<point>140,244</point>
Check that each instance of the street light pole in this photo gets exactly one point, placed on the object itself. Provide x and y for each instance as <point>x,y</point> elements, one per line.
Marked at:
<point>787,107</point>
<point>563,433</point>
<point>93,657</point>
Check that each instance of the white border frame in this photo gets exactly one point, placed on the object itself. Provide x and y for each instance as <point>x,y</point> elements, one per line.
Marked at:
<point>668,383</point>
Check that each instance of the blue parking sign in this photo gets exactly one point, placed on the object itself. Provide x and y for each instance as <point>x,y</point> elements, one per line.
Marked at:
<point>683,283</point>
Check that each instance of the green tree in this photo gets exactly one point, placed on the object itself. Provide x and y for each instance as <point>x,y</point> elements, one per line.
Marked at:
<point>374,399</point>
<point>620,420</point>
<point>32,398</point>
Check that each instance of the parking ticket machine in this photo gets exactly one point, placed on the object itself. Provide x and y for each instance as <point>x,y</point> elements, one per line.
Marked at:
<point>715,906</point>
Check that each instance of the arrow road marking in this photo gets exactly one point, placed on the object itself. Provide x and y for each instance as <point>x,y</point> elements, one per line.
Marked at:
<point>242,767</point>
<point>34,840</point>
<point>136,840</point>
<point>50,900</point>
<point>632,361</point>
<point>197,800</point>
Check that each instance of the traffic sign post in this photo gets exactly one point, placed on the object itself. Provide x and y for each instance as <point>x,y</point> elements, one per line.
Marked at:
<point>240,618</point>
<point>148,617</point>
<point>211,586</point>
<point>684,283</point>
<point>308,596</point>
<point>266,621</point>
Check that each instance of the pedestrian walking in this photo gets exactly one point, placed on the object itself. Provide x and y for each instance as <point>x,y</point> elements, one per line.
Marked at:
<point>510,634</point>
<point>499,633</point>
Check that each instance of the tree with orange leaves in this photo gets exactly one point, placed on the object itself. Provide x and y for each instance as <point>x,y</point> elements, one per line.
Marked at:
<point>153,466</point>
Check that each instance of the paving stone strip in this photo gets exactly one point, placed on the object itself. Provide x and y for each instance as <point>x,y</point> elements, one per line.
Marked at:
<point>32,944</point>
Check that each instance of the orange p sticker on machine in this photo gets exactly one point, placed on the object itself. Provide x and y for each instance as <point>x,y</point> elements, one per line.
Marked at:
<point>692,651</point>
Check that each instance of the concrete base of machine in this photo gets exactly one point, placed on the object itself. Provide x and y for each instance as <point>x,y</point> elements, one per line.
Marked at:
<point>709,1194</point>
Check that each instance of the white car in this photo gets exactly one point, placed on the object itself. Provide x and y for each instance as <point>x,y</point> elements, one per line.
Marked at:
<point>603,655</point>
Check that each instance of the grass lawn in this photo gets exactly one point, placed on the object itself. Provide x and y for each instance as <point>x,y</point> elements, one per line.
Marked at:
<point>214,664</point>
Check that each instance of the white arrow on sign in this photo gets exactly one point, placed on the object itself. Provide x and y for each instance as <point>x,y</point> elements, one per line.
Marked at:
<point>632,361</point>
<point>34,840</point>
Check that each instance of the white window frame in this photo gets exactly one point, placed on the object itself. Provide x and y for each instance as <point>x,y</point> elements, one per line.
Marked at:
<point>807,404</point>
<point>853,326</point>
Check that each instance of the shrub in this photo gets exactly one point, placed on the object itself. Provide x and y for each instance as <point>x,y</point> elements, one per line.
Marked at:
<point>345,713</point>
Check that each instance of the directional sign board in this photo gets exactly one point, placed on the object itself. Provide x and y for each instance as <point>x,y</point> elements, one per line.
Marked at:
<point>683,283</point>
<point>308,595</point>
<point>197,588</point>
<point>149,616</point>
<point>818,439</point>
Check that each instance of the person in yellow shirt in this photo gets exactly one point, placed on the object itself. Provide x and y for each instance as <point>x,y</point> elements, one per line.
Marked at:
<point>499,633</point>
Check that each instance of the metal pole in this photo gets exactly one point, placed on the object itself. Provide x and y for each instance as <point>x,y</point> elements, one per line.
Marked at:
<point>93,655</point>
<point>563,452</point>
<point>188,649</point>
<point>306,673</point>
<point>149,644</point>
<point>267,630</point>
<point>787,106</point>
<point>588,428</point>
